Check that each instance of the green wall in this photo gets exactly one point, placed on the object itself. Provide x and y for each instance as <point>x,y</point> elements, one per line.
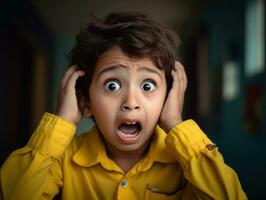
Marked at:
<point>243,150</point>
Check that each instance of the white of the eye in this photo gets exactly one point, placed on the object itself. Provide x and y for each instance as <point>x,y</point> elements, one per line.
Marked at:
<point>114,83</point>
<point>151,85</point>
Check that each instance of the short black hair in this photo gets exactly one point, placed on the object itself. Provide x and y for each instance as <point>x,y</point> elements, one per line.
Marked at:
<point>136,34</point>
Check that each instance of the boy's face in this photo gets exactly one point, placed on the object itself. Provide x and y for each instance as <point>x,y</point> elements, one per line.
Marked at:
<point>126,99</point>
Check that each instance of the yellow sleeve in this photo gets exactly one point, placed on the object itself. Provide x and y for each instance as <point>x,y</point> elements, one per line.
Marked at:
<point>34,171</point>
<point>203,164</point>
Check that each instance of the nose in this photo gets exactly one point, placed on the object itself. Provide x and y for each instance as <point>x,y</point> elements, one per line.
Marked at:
<point>130,101</point>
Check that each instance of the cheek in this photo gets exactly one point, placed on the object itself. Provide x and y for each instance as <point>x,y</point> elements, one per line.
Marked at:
<point>100,104</point>
<point>102,107</point>
<point>155,104</point>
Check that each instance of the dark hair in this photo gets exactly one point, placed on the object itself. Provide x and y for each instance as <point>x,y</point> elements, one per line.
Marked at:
<point>137,35</point>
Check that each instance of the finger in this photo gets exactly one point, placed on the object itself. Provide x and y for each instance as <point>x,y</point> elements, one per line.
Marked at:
<point>175,85</point>
<point>73,79</point>
<point>176,76</point>
<point>181,83</point>
<point>67,75</point>
<point>182,76</point>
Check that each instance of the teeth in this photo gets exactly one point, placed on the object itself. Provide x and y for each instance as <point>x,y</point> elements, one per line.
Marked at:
<point>131,123</point>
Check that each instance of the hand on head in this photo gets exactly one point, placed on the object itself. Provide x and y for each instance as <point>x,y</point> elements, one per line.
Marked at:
<point>68,103</point>
<point>171,114</point>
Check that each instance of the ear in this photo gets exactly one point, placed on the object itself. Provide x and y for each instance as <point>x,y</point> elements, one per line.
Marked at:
<point>84,106</point>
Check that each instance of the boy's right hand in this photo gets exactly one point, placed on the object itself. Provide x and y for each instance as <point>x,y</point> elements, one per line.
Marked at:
<point>67,106</point>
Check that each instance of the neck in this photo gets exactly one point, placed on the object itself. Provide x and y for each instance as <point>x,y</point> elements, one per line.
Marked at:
<point>126,159</point>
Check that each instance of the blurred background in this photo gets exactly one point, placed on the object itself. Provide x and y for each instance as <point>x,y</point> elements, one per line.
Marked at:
<point>223,50</point>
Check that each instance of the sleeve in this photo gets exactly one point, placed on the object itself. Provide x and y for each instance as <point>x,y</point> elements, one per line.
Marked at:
<point>202,163</point>
<point>34,171</point>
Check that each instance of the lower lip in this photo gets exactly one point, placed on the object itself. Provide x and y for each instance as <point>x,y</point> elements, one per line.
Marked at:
<point>128,140</point>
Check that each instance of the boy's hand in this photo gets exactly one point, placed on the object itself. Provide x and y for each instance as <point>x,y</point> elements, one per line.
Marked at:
<point>172,111</point>
<point>67,107</point>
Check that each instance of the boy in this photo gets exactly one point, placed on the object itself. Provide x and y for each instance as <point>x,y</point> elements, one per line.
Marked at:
<point>123,74</point>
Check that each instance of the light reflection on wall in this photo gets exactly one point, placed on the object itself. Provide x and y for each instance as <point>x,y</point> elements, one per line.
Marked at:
<point>254,39</point>
<point>231,81</point>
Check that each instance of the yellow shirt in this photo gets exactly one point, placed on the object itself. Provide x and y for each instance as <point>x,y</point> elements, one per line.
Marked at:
<point>182,164</point>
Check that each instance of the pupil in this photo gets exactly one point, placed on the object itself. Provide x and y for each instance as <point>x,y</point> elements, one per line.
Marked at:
<point>112,86</point>
<point>147,87</point>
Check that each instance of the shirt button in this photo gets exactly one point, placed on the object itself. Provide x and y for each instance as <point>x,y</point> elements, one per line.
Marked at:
<point>123,183</point>
<point>210,146</point>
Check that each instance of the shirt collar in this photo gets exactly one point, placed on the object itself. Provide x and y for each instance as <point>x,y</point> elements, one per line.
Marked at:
<point>92,151</point>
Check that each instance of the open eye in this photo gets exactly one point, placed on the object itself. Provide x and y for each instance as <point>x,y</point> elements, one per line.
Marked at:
<point>148,86</point>
<point>112,85</point>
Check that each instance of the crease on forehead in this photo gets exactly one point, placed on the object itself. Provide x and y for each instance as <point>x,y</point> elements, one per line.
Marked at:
<point>117,55</point>
<point>115,58</point>
<point>106,60</point>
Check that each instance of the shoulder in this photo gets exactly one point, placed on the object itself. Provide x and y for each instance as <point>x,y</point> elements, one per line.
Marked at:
<point>76,142</point>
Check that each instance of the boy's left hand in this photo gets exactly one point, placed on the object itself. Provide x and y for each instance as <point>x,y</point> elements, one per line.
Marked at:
<point>171,114</point>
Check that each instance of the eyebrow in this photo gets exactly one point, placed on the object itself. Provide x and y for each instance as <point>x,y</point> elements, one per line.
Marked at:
<point>110,68</point>
<point>115,66</point>
<point>154,71</point>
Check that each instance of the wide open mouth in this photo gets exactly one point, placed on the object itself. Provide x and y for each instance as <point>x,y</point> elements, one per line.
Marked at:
<point>128,132</point>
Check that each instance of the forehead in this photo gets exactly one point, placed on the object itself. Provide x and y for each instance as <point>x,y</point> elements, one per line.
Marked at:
<point>116,56</point>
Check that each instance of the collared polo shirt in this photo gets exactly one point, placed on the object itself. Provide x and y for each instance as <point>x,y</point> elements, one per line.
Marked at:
<point>183,164</point>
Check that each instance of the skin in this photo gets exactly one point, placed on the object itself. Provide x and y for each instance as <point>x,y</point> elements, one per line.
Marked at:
<point>130,101</point>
